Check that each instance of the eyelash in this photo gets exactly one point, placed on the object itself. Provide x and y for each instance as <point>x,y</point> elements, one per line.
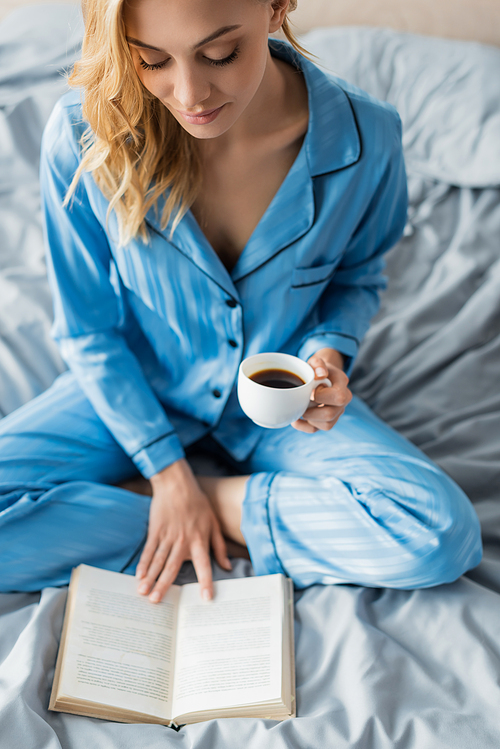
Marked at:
<point>217,63</point>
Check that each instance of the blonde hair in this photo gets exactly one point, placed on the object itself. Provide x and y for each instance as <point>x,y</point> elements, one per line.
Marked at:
<point>134,148</point>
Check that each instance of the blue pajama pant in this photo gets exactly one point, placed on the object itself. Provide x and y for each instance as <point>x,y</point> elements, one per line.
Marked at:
<point>358,504</point>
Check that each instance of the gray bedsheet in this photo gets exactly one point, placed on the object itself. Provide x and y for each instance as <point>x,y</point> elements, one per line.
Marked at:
<point>376,669</point>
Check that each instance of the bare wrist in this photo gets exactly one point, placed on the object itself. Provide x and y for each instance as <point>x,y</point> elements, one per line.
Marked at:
<point>176,473</point>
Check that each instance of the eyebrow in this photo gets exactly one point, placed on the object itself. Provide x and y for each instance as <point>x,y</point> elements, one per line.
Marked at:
<point>211,38</point>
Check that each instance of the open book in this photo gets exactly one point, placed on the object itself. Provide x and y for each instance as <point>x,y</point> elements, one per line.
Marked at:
<point>180,661</point>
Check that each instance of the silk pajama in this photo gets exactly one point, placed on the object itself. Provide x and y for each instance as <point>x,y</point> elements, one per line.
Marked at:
<point>358,504</point>
<point>153,334</point>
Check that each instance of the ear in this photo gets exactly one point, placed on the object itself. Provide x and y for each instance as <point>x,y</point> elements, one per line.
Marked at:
<point>279,9</point>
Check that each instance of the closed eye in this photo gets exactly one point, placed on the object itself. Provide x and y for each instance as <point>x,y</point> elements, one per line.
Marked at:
<point>155,66</point>
<point>226,60</point>
<point>217,63</point>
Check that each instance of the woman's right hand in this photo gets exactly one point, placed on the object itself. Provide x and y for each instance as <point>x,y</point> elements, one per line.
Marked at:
<point>182,525</point>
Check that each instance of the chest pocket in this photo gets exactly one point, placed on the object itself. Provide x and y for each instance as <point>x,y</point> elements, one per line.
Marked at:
<point>312,276</point>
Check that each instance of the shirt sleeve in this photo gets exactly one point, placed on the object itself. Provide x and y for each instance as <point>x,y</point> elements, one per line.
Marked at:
<point>88,312</point>
<point>352,296</point>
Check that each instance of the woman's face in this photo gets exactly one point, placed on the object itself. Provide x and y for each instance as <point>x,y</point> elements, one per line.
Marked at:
<point>203,59</point>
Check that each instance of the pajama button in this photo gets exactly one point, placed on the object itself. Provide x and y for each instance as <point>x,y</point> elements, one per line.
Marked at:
<point>231,303</point>
<point>216,393</point>
<point>233,343</point>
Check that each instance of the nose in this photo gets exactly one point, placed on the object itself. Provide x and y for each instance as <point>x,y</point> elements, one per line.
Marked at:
<point>191,88</point>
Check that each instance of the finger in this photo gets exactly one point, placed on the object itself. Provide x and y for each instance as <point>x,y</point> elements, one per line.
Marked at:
<point>146,556</point>
<point>156,567</point>
<point>336,395</point>
<point>321,413</point>
<point>321,371</point>
<point>320,368</point>
<point>339,384</point>
<point>220,549</point>
<point>337,378</point>
<point>170,572</point>
<point>325,426</point>
<point>201,561</point>
<point>316,416</point>
<point>303,426</point>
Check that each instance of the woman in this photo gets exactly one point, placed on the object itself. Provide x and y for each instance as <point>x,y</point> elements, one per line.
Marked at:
<point>229,197</point>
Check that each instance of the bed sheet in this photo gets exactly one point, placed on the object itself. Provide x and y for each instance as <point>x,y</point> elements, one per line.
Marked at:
<point>376,668</point>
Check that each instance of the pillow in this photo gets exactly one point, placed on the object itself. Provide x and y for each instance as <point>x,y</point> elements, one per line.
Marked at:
<point>447,93</point>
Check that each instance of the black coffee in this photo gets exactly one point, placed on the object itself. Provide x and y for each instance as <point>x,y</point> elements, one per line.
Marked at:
<point>277,378</point>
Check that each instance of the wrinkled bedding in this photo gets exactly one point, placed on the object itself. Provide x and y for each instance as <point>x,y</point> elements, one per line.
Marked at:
<point>376,669</point>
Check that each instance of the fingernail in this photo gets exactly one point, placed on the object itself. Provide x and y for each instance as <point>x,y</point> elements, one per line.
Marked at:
<point>321,372</point>
<point>154,597</point>
<point>139,574</point>
<point>206,595</point>
<point>228,564</point>
<point>143,588</point>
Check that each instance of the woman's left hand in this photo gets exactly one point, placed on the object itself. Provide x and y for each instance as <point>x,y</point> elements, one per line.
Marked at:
<point>327,403</point>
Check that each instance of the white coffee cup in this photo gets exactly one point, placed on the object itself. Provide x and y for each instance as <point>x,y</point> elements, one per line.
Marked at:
<point>274,407</point>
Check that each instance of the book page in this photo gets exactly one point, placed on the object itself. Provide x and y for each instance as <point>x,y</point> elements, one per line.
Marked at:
<point>120,647</point>
<point>289,651</point>
<point>229,650</point>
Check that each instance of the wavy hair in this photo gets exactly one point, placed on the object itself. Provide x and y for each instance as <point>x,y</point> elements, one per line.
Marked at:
<point>134,148</point>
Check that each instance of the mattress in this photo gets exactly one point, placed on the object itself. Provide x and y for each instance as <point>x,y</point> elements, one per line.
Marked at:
<point>376,668</point>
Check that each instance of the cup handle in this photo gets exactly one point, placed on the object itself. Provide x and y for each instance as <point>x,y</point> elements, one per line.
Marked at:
<point>324,381</point>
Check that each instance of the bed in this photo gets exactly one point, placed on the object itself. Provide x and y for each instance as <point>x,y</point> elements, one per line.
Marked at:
<point>376,668</point>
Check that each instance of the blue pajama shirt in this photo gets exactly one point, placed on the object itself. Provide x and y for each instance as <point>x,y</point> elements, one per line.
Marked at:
<point>153,334</point>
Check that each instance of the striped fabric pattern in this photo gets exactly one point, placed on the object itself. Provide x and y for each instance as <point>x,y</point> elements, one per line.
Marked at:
<point>155,332</point>
<point>358,504</point>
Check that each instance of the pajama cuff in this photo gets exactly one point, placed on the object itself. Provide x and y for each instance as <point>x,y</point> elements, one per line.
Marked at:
<point>256,526</point>
<point>158,455</point>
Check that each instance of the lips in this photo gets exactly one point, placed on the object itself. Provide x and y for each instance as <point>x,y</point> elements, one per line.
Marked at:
<point>205,113</point>
<point>201,118</point>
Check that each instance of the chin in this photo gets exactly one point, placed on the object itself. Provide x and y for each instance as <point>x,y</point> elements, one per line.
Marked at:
<point>205,132</point>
